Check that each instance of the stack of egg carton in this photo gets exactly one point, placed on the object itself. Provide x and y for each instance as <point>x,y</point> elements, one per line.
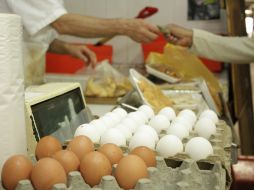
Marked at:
<point>178,172</point>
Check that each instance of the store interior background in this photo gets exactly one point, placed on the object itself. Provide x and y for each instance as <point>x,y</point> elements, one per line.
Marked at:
<point>170,11</point>
<point>234,78</point>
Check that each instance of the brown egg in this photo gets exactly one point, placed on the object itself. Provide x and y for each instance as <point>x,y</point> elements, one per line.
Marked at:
<point>112,152</point>
<point>81,145</point>
<point>46,173</point>
<point>129,170</point>
<point>146,154</point>
<point>47,146</point>
<point>93,166</point>
<point>68,160</point>
<point>17,167</point>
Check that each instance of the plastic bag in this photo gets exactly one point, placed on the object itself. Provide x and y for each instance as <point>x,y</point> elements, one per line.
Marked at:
<point>189,67</point>
<point>107,82</point>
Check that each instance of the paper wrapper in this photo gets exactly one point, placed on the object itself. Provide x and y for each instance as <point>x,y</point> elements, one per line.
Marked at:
<point>12,117</point>
<point>188,66</point>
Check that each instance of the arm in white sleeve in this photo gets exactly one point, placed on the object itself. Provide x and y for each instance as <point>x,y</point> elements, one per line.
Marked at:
<point>226,49</point>
<point>37,14</point>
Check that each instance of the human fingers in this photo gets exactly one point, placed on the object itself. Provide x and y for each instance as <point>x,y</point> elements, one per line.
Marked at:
<point>172,39</point>
<point>90,55</point>
<point>177,31</point>
<point>149,31</point>
<point>148,37</point>
<point>153,28</point>
<point>143,35</point>
<point>140,31</point>
<point>185,42</point>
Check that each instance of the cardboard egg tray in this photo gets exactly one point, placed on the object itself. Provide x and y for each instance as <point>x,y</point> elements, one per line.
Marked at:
<point>179,175</point>
<point>178,172</point>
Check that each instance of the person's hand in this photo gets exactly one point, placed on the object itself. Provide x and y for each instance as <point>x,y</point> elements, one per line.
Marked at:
<point>179,35</point>
<point>139,30</point>
<point>82,52</point>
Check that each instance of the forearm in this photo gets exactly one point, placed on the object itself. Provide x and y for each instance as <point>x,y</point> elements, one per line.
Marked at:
<point>226,49</point>
<point>58,46</point>
<point>86,26</point>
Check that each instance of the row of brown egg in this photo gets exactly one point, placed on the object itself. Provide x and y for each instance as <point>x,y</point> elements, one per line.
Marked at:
<point>53,164</point>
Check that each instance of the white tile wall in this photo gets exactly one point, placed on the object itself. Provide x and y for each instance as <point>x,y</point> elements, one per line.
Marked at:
<point>125,50</point>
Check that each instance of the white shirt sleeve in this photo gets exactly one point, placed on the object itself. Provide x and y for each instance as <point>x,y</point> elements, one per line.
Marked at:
<point>226,49</point>
<point>37,14</point>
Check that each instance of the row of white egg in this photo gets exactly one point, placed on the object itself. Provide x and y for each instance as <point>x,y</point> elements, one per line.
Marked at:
<point>118,126</point>
<point>118,121</point>
<point>197,147</point>
<point>186,121</point>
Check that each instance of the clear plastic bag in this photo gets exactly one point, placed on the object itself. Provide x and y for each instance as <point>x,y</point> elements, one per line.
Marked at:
<point>106,81</point>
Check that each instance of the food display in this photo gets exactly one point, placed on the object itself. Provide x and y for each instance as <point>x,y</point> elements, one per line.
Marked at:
<point>154,95</point>
<point>190,68</point>
<point>106,81</point>
<point>186,99</point>
<point>107,87</point>
<point>172,137</point>
<point>164,71</point>
<point>150,94</point>
<point>164,145</point>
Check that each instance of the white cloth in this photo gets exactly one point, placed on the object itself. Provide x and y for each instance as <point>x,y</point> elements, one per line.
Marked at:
<point>221,48</point>
<point>38,34</point>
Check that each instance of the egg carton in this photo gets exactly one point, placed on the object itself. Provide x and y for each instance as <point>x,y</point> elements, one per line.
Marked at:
<point>178,172</point>
<point>217,164</point>
<point>221,142</point>
<point>222,149</point>
<point>169,174</point>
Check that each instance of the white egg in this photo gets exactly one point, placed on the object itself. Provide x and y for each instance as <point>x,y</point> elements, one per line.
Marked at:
<point>142,139</point>
<point>205,127</point>
<point>107,121</point>
<point>114,117</point>
<point>178,130</point>
<point>114,136</point>
<point>99,125</point>
<point>147,110</point>
<point>159,123</point>
<point>125,130</point>
<point>143,116</point>
<point>148,129</point>
<point>210,114</point>
<point>189,113</point>
<point>130,123</point>
<point>185,121</point>
<point>169,145</point>
<point>89,131</point>
<point>138,116</point>
<point>122,113</point>
<point>168,112</point>
<point>198,148</point>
